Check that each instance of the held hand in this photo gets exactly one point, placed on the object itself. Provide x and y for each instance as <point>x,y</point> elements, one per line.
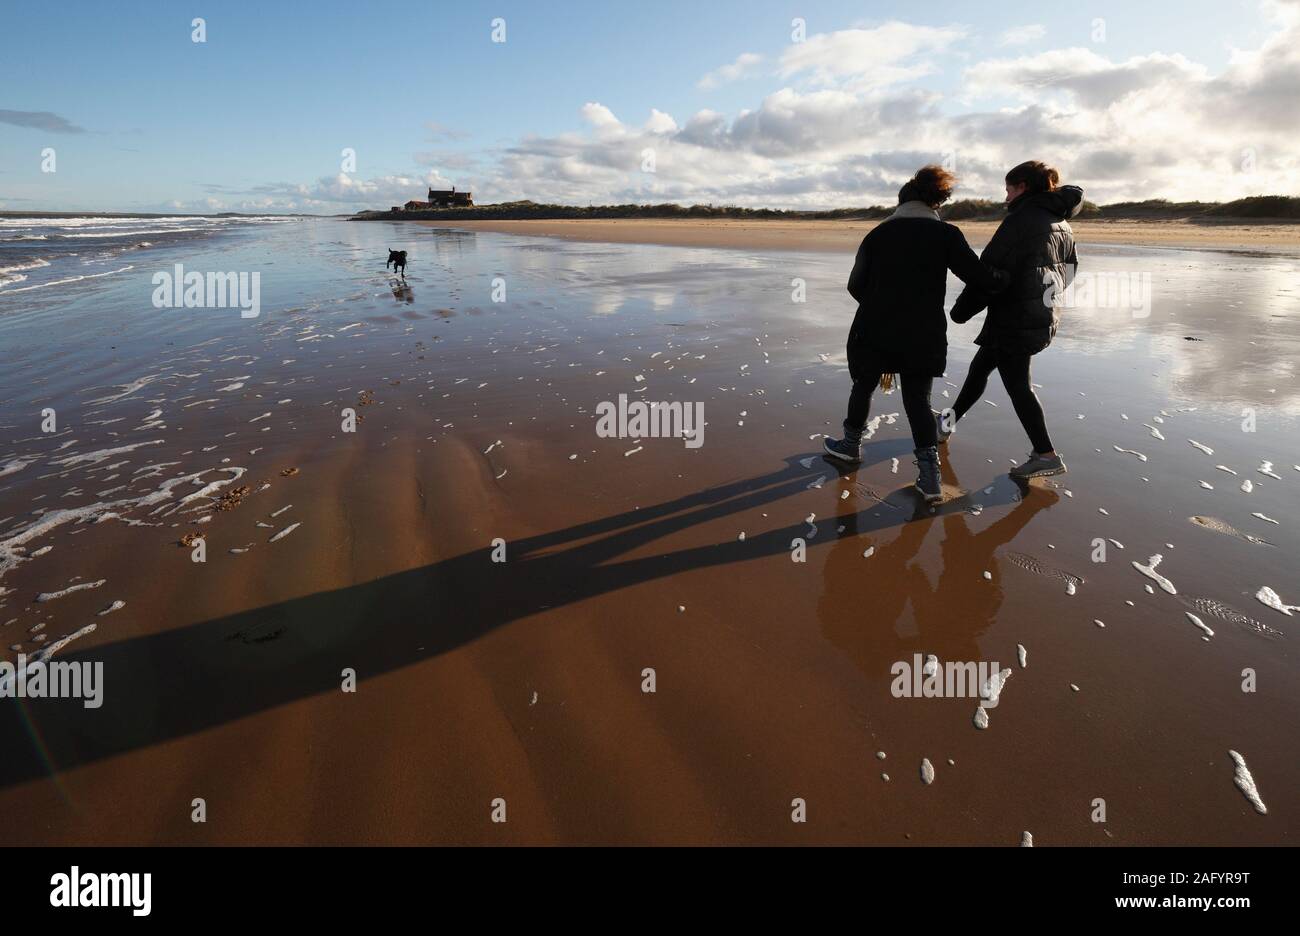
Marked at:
<point>961,309</point>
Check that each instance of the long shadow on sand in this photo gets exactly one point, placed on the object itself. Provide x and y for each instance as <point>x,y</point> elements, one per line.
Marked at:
<point>172,684</point>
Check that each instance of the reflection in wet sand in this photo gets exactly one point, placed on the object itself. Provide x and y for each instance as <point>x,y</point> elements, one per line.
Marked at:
<point>886,608</point>
<point>402,291</point>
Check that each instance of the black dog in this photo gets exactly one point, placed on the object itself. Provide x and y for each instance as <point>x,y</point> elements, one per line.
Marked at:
<point>397,260</point>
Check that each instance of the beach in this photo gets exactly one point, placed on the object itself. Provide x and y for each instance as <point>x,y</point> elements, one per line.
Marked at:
<point>432,593</point>
<point>840,236</point>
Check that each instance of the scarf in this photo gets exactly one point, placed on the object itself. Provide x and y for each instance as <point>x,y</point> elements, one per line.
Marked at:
<point>913,209</point>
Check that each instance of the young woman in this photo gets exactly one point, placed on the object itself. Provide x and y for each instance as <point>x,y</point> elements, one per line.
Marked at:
<point>899,280</point>
<point>1035,245</point>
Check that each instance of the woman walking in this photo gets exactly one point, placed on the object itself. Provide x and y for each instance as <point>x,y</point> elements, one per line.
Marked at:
<point>1035,245</point>
<point>899,280</point>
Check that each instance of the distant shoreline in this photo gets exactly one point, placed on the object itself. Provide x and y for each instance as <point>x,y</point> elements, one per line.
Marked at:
<point>844,236</point>
<point>1256,209</point>
<point>1258,223</point>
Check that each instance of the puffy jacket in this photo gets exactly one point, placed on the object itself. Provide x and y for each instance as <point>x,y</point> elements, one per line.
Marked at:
<point>1035,245</point>
<point>899,279</point>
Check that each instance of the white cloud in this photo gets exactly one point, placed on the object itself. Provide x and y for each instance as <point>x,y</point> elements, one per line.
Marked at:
<point>1161,125</point>
<point>849,127</point>
<point>660,122</point>
<point>1023,35</point>
<point>1095,80</point>
<point>861,59</point>
<point>599,116</point>
<point>340,193</point>
<point>743,67</point>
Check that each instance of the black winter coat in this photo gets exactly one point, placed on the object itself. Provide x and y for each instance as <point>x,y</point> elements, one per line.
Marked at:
<point>899,279</point>
<point>1035,245</point>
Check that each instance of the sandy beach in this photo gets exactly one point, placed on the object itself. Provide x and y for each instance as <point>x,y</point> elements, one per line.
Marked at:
<point>762,593</point>
<point>841,236</point>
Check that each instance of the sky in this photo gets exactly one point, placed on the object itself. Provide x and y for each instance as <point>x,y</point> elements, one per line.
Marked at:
<point>756,103</point>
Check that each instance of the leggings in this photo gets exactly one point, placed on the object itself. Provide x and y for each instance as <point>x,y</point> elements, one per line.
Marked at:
<point>916,402</point>
<point>1014,369</point>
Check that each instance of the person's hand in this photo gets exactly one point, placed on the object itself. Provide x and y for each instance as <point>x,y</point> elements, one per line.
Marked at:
<point>1001,279</point>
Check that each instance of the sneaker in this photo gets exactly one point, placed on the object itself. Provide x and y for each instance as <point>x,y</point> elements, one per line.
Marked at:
<point>927,479</point>
<point>1039,466</point>
<point>843,449</point>
<point>943,434</point>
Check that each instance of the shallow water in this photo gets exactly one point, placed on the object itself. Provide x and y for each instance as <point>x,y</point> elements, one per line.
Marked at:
<point>477,420</point>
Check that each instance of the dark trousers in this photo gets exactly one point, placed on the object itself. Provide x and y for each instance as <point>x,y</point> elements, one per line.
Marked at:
<point>1014,369</point>
<point>916,402</point>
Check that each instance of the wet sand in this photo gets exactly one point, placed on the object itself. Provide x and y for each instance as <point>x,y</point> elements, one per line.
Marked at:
<point>846,235</point>
<point>523,680</point>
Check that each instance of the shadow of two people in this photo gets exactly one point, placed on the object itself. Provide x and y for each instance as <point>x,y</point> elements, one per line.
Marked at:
<point>175,682</point>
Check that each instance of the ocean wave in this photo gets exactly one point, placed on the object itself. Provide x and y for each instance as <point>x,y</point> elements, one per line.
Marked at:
<point>130,233</point>
<point>100,220</point>
<point>71,279</point>
<point>26,265</point>
<point>108,221</point>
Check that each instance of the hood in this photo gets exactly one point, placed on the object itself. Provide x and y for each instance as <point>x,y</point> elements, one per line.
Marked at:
<point>1063,203</point>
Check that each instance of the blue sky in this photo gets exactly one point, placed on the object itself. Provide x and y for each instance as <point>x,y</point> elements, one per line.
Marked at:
<point>256,116</point>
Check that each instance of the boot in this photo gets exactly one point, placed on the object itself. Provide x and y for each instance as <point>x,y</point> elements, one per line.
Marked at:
<point>1039,466</point>
<point>927,479</point>
<point>847,449</point>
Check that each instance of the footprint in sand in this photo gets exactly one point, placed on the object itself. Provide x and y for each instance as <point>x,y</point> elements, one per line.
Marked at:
<point>1230,614</point>
<point>1032,564</point>
<point>1219,526</point>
